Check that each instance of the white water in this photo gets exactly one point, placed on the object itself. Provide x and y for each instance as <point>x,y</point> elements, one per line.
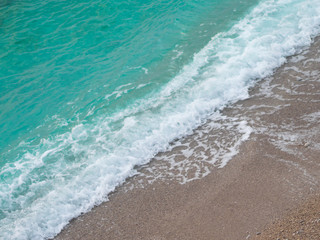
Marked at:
<point>103,156</point>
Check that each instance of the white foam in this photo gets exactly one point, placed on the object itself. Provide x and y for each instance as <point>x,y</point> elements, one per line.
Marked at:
<point>192,158</point>
<point>92,159</point>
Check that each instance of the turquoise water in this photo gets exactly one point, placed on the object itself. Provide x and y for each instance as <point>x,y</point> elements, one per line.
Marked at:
<point>61,59</point>
<point>88,90</point>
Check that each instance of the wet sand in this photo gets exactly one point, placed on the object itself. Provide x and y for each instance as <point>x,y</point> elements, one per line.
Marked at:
<point>270,144</point>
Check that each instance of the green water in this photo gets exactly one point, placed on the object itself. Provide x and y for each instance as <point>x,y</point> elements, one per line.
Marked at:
<point>89,89</point>
<point>61,58</point>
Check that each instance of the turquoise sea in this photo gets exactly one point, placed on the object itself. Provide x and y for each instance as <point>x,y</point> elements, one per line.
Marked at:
<point>90,89</point>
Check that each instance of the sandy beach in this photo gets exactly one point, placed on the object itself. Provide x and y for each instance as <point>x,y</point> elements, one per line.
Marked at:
<point>302,222</point>
<point>270,146</point>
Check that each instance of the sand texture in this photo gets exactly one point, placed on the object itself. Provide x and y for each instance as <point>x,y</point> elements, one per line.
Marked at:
<point>255,163</point>
<point>301,223</point>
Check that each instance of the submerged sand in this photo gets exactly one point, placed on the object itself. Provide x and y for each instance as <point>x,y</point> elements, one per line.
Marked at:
<point>270,144</point>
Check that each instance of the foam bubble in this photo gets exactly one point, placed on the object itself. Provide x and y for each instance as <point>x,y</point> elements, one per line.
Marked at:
<point>68,174</point>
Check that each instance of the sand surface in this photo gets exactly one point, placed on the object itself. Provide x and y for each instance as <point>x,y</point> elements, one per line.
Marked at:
<point>270,144</point>
<point>302,222</point>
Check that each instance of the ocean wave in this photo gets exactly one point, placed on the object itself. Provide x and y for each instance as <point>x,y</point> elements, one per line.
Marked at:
<point>66,175</point>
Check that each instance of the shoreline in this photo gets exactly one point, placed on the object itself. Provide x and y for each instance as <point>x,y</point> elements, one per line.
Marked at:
<point>274,171</point>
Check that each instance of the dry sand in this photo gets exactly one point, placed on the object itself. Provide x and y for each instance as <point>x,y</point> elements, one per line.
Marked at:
<point>266,191</point>
<point>302,222</point>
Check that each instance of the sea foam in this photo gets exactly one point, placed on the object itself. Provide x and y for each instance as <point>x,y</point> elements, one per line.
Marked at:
<point>68,174</point>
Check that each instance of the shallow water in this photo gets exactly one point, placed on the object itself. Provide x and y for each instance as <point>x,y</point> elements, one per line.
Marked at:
<point>276,167</point>
<point>291,94</point>
<point>88,91</point>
